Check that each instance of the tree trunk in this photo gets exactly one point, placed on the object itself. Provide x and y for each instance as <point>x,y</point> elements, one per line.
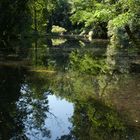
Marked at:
<point>35,20</point>
<point>49,25</point>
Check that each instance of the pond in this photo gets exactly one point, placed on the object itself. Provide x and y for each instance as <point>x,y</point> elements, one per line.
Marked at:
<point>69,89</point>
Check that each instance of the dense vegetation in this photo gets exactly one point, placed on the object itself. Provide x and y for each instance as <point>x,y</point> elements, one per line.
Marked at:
<point>13,14</point>
<point>112,15</point>
<point>118,19</point>
<point>84,73</point>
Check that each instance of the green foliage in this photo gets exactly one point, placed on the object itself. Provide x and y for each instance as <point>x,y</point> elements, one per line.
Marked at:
<point>41,11</point>
<point>85,63</point>
<point>49,13</point>
<point>116,14</point>
<point>94,16</point>
<point>100,121</point>
<point>101,16</point>
<point>14,18</point>
<point>61,14</point>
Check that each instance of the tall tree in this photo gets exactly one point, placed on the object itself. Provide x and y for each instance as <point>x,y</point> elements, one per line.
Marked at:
<point>107,15</point>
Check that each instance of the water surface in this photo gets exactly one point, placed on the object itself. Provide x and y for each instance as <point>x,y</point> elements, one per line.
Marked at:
<point>69,90</point>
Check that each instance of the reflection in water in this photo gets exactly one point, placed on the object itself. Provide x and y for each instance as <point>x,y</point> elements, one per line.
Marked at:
<point>27,113</point>
<point>44,120</point>
<point>59,124</point>
<point>92,93</point>
<point>56,42</point>
<point>11,125</point>
<point>35,108</point>
<point>101,122</point>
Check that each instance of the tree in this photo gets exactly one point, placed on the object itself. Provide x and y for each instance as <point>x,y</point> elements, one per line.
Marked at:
<point>109,16</point>
<point>13,15</point>
<point>41,11</point>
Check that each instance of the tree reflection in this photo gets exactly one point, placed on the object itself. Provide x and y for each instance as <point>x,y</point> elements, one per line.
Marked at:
<point>47,55</point>
<point>22,109</point>
<point>36,107</point>
<point>93,117</point>
<point>11,124</point>
<point>94,120</point>
<point>88,82</point>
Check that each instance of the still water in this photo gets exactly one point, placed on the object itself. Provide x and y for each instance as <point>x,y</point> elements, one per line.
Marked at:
<point>56,121</point>
<point>69,89</point>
